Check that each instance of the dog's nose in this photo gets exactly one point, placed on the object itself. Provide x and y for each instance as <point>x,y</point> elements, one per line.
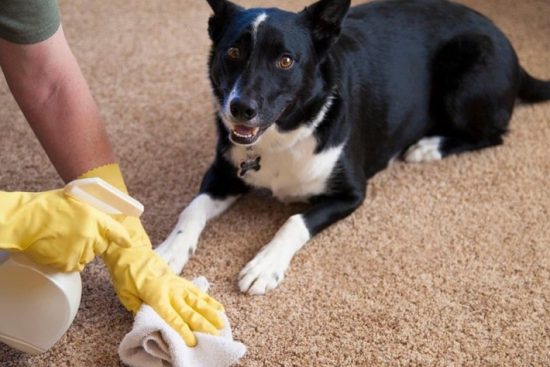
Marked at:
<point>243,110</point>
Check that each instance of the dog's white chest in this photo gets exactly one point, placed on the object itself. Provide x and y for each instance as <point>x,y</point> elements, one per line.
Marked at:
<point>292,174</point>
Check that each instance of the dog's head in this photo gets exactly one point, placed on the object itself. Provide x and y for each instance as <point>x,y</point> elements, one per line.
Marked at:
<point>265,63</point>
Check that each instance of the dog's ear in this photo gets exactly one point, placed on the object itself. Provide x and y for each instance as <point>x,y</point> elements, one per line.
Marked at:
<point>223,10</point>
<point>324,18</point>
<point>217,5</point>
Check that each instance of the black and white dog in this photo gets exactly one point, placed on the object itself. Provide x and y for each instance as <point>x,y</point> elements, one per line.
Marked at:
<point>313,104</point>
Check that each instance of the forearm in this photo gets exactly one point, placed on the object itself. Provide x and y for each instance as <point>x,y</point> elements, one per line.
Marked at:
<point>50,89</point>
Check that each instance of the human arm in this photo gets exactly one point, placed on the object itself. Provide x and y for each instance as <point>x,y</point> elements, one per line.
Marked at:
<point>51,91</point>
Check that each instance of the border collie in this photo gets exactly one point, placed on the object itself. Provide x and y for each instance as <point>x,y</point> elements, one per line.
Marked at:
<point>310,105</point>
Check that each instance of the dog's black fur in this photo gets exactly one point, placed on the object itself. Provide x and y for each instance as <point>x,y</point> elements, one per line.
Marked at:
<point>398,70</point>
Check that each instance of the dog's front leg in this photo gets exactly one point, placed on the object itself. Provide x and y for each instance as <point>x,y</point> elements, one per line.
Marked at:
<point>220,188</point>
<point>182,241</point>
<point>267,269</point>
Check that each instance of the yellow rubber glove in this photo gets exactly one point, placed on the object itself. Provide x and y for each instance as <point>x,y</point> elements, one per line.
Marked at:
<point>56,230</point>
<point>140,275</point>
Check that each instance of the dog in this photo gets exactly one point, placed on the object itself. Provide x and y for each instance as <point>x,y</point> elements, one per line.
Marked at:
<point>313,104</point>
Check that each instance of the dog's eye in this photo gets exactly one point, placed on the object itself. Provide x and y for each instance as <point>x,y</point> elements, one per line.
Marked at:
<point>285,62</point>
<point>234,53</point>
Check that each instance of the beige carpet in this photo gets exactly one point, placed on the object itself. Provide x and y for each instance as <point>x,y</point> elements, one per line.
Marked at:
<point>445,264</point>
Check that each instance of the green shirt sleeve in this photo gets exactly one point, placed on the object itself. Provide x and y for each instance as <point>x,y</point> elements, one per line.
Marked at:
<point>28,21</point>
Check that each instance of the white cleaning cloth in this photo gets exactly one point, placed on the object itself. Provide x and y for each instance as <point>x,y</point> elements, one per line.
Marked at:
<point>152,343</point>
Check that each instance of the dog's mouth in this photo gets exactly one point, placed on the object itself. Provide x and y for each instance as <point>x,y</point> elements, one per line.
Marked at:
<point>242,134</point>
<point>245,135</point>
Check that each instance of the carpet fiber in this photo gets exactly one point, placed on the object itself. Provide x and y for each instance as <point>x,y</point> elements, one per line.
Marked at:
<point>446,263</point>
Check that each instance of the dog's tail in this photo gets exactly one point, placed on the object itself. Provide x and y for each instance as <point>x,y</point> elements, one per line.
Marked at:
<point>533,90</point>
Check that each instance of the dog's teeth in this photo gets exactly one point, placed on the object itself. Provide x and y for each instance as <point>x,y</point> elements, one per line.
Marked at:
<point>252,134</point>
<point>242,136</point>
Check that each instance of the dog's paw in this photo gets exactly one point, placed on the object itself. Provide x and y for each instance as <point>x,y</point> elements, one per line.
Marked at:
<point>176,250</point>
<point>263,273</point>
<point>425,150</point>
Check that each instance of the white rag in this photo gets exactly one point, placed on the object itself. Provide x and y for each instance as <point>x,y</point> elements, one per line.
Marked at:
<point>153,343</point>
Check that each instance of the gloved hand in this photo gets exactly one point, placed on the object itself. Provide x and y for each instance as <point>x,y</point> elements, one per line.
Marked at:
<point>140,275</point>
<point>56,230</point>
